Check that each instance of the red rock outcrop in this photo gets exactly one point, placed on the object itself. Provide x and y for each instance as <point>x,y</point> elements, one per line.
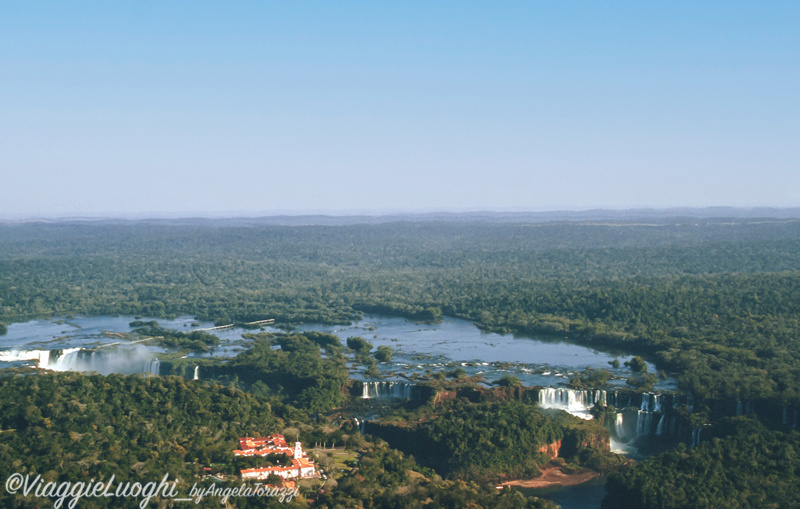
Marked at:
<point>551,449</point>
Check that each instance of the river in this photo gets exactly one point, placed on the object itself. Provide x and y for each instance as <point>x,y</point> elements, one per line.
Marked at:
<point>418,348</point>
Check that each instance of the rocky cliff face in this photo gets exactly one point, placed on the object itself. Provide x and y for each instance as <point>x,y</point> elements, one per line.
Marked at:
<point>551,449</point>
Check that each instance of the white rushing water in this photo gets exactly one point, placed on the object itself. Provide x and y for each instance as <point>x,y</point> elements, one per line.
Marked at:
<point>633,419</point>
<point>400,390</point>
<point>129,360</point>
<point>577,402</point>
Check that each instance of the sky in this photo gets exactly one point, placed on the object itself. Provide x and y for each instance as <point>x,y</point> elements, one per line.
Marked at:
<point>257,108</point>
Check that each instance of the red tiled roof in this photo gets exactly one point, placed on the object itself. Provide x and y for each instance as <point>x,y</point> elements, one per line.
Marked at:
<point>247,443</point>
<point>288,451</point>
<point>262,446</point>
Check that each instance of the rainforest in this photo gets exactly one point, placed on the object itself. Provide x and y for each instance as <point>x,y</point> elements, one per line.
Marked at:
<point>703,314</point>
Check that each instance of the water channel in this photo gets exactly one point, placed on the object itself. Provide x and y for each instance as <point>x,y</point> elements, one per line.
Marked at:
<point>418,348</point>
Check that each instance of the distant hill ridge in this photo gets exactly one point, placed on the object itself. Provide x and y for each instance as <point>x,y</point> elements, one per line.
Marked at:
<point>659,216</point>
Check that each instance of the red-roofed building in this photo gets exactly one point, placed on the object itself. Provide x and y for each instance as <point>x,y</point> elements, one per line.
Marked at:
<point>275,444</point>
<point>301,468</point>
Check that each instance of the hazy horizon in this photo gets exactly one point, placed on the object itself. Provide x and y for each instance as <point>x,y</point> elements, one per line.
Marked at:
<point>544,214</point>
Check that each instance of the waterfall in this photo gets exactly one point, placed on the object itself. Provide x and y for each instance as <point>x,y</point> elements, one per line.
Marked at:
<point>128,360</point>
<point>360,424</point>
<point>739,408</point>
<point>619,425</point>
<point>41,357</point>
<point>660,427</point>
<point>196,373</point>
<point>398,390</point>
<point>577,402</point>
<point>652,402</point>
<point>651,413</point>
<point>644,423</point>
<point>696,436</point>
<point>72,359</point>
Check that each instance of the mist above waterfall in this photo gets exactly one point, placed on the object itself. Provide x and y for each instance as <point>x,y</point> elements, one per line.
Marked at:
<point>126,360</point>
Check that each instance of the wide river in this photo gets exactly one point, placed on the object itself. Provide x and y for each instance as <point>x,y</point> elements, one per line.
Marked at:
<point>418,348</point>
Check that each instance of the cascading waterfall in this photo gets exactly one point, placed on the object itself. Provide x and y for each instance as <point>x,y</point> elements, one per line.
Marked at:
<point>651,402</point>
<point>196,373</point>
<point>41,357</point>
<point>650,414</point>
<point>580,401</point>
<point>644,423</point>
<point>577,402</point>
<point>660,427</point>
<point>72,359</point>
<point>399,390</point>
<point>129,360</point>
<point>619,426</point>
<point>154,367</point>
<point>360,424</point>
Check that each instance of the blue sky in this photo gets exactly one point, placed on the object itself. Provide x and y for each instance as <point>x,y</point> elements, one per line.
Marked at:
<point>228,108</point>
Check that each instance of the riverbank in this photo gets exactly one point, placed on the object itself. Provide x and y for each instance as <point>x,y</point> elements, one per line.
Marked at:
<point>553,477</point>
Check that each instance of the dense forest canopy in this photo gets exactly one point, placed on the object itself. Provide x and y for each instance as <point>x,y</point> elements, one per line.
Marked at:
<point>493,441</point>
<point>715,301</point>
<point>72,427</point>
<point>743,465</point>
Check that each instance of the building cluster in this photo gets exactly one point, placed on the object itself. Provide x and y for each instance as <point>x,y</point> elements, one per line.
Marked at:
<point>301,466</point>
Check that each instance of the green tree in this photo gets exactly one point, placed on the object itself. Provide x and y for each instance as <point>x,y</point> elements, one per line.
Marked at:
<point>383,354</point>
<point>637,364</point>
<point>359,344</point>
<point>509,381</point>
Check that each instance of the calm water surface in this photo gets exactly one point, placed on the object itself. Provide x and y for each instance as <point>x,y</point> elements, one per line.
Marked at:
<point>418,348</point>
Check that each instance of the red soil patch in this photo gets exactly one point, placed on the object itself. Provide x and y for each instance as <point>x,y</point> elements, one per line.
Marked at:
<point>553,477</point>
